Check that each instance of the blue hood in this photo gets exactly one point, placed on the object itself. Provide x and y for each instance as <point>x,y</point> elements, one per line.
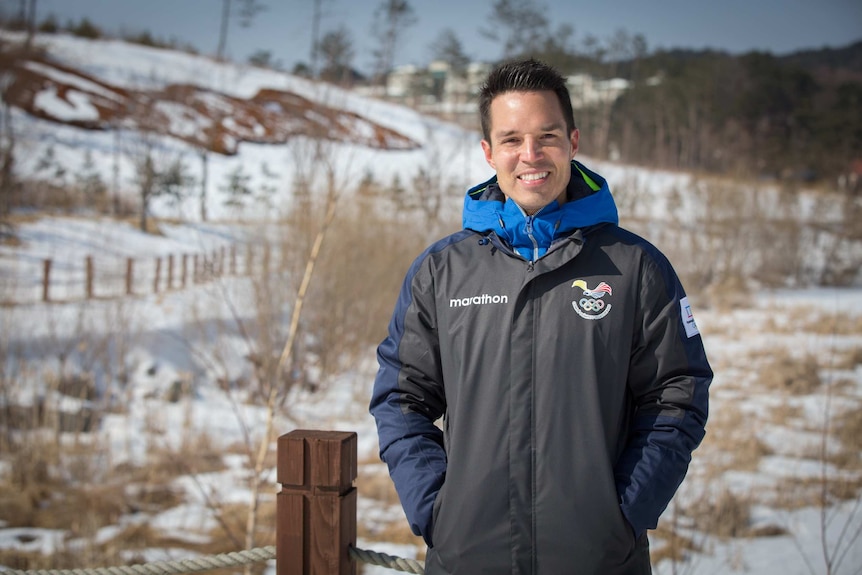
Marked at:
<point>589,202</point>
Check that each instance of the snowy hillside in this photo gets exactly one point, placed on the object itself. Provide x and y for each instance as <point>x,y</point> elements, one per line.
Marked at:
<point>128,424</point>
<point>69,103</point>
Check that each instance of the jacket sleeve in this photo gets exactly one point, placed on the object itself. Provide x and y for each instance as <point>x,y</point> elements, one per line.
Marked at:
<point>669,378</point>
<point>408,398</point>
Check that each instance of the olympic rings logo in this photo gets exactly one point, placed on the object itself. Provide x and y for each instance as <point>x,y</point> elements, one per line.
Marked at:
<point>594,305</point>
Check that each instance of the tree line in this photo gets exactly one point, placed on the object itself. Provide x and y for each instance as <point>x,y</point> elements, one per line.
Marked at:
<point>793,117</point>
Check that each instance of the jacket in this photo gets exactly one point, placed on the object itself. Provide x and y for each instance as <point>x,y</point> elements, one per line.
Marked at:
<point>561,354</point>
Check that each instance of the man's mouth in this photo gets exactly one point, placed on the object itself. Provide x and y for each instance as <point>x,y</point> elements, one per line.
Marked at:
<point>533,177</point>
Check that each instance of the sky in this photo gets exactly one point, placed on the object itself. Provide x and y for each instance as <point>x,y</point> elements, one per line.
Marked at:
<point>284,28</point>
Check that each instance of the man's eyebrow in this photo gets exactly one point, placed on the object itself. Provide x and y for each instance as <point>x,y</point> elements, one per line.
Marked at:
<point>553,126</point>
<point>505,134</point>
<point>545,128</point>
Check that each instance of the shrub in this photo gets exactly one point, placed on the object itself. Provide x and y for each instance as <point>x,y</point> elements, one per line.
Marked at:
<point>795,376</point>
<point>86,29</point>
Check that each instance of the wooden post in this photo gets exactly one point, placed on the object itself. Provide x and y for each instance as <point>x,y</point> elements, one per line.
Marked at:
<point>249,259</point>
<point>157,275</point>
<point>130,266</point>
<point>316,522</point>
<point>185,270</point>
<point>233,259</point>
<point>46,280</point>
<point>90,274</point>
<point>170,280</point>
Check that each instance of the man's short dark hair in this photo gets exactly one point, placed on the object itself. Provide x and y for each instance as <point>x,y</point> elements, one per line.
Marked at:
<point>528,75</point>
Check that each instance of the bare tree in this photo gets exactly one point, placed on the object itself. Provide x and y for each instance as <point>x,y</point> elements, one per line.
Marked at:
<point>336,49</point>
<point>391,19</point>
<point>316,17</point>
<point>7,135</point>
<point>29,22</point>
<point>520,25</point>
<point>158,171</point>
<point>448,48</point>
<point>248,9</point>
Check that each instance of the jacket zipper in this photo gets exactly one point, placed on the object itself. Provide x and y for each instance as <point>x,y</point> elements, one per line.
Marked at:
<point>529,230</point>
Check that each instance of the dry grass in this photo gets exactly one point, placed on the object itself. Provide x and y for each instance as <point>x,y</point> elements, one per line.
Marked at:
<point>350,301</point>
<point>395,531</point>
<point>848,358</point>
<point>728,293</point>
<point>352,294</point>
<point>674,546</point>
<point>63,481</point>
<point>847,427</point>
<point>377,486</point>
<point>788,374</point>
<point>725,516</point>
<point>730,439</point>
<point>830,324</point>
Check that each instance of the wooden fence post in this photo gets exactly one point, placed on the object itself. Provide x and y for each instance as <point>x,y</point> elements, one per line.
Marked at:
<point>316,507</point>
<point>170,281</point>
<point>90,274</point>
<point>46,280</point>
<point>130,266</point>
<point>185,270</point>
<point>158,275</point>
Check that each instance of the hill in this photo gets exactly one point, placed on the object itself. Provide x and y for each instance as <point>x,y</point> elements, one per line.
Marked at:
<point>107,105</point>
<point>830,64</point>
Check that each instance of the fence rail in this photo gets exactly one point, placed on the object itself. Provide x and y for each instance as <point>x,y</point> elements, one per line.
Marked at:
<point>315,518</point>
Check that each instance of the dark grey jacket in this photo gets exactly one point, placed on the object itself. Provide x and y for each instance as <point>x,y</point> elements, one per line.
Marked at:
<point>573,390</point>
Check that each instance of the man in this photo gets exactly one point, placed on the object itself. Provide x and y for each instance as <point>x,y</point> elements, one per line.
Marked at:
<point>558,348</point>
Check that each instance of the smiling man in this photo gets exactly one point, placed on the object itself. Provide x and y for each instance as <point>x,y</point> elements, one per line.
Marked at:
<point>574,386</point>
<point>531,147</point>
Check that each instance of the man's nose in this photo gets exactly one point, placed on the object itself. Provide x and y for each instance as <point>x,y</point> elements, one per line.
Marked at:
<point>531,149</point>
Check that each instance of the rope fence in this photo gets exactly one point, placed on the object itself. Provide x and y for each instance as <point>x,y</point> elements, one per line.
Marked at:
<point>315,519</point>
<point>235,559</point>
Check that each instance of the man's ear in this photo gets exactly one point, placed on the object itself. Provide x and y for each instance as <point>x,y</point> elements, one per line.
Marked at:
<point>574,139</point>
<point>486,147</point>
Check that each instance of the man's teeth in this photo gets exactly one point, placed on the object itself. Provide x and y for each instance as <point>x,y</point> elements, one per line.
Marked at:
<point>533,177</point>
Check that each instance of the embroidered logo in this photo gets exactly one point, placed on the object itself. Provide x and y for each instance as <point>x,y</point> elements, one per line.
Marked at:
<point>591,305</point>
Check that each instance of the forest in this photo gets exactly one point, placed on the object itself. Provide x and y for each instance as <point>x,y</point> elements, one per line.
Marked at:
<point>788,117</point>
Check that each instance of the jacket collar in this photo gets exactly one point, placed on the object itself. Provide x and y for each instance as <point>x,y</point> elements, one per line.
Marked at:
<point>588,203</point>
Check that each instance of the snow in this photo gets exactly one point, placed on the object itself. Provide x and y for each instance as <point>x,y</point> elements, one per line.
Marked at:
<point>75,107</point>
<point>160,344</point>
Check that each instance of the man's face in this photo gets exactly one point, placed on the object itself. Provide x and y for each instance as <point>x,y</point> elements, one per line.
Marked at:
<point>530,148</point>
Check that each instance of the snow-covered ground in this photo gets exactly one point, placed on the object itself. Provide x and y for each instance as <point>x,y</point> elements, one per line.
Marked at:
<point>159,340</point>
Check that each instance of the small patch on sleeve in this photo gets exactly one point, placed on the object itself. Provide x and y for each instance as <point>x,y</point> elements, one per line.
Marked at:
<point>688,318</point>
